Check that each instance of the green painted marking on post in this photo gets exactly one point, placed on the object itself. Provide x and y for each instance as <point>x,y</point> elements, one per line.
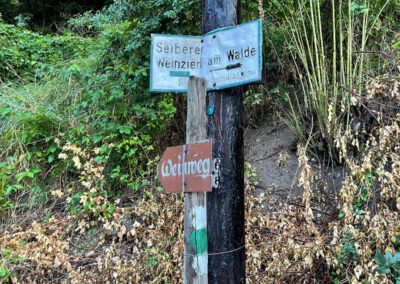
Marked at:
<point>198,240</point>
<point>179,73</point>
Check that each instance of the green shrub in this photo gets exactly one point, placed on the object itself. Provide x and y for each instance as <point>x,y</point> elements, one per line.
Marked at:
<point>121,110</point>
<point>27,55</point>
<point>92,94</point>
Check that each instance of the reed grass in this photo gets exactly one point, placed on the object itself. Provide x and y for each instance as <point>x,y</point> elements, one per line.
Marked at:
<point>315,55</point>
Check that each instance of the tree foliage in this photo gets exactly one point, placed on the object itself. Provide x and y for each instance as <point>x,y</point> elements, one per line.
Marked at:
<point>45,13</point>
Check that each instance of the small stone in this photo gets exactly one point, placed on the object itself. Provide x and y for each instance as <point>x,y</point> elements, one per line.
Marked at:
<point>336,174</point>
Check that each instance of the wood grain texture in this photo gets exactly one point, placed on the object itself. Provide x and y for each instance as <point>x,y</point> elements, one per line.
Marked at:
<point>195,225</point>
<point>225,204</point>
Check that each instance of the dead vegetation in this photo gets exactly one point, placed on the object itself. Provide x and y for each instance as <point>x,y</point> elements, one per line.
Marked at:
<point>96,239</point>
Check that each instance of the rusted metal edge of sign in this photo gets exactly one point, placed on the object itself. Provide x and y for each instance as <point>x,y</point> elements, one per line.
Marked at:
<point>187,168</point>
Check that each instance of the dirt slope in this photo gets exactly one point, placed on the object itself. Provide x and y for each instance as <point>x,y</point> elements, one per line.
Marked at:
<point>271,149</point>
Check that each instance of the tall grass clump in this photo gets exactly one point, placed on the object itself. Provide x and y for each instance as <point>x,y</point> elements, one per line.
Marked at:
<point>34,118</point>
<point>31,112</point>
<point>327,40</point>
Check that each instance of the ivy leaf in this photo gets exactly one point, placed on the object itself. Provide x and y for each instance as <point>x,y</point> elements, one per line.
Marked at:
<point>380,259</point>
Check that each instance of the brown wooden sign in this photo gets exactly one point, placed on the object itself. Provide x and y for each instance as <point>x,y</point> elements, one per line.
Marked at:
<point>187,168</point>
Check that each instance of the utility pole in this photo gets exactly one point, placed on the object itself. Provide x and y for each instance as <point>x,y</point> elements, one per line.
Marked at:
<point>225,204</point>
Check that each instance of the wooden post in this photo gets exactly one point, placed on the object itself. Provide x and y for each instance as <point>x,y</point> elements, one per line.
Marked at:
<point>225,204</point>
<point>195,261</point>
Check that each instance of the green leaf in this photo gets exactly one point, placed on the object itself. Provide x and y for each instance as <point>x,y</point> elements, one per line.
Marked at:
<point>96,139</point>
<point>380,259</point>
<point>3,272</point>
<point>396,269</point>
<point>20,176</point>
<point>9,189</point>
<point>125,129</point>
<point>5,111</point>
<point>382,270</point>
<point>50,159</point>
<point>52,149</point>
<point>36,170</point>
<point>30,174</point>
<point>396,258</point>
<point>111,208</point>
<point>389,258</point>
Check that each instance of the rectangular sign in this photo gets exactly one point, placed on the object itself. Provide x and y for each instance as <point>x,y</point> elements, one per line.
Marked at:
<point>186,168</point>
<point>225,57</point>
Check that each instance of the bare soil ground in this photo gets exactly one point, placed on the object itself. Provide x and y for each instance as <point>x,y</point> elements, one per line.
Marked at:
<point>271,149</point>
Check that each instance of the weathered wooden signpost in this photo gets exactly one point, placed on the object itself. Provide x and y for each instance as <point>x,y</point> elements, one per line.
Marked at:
<point>210,172</point>
<point>195,259</point>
